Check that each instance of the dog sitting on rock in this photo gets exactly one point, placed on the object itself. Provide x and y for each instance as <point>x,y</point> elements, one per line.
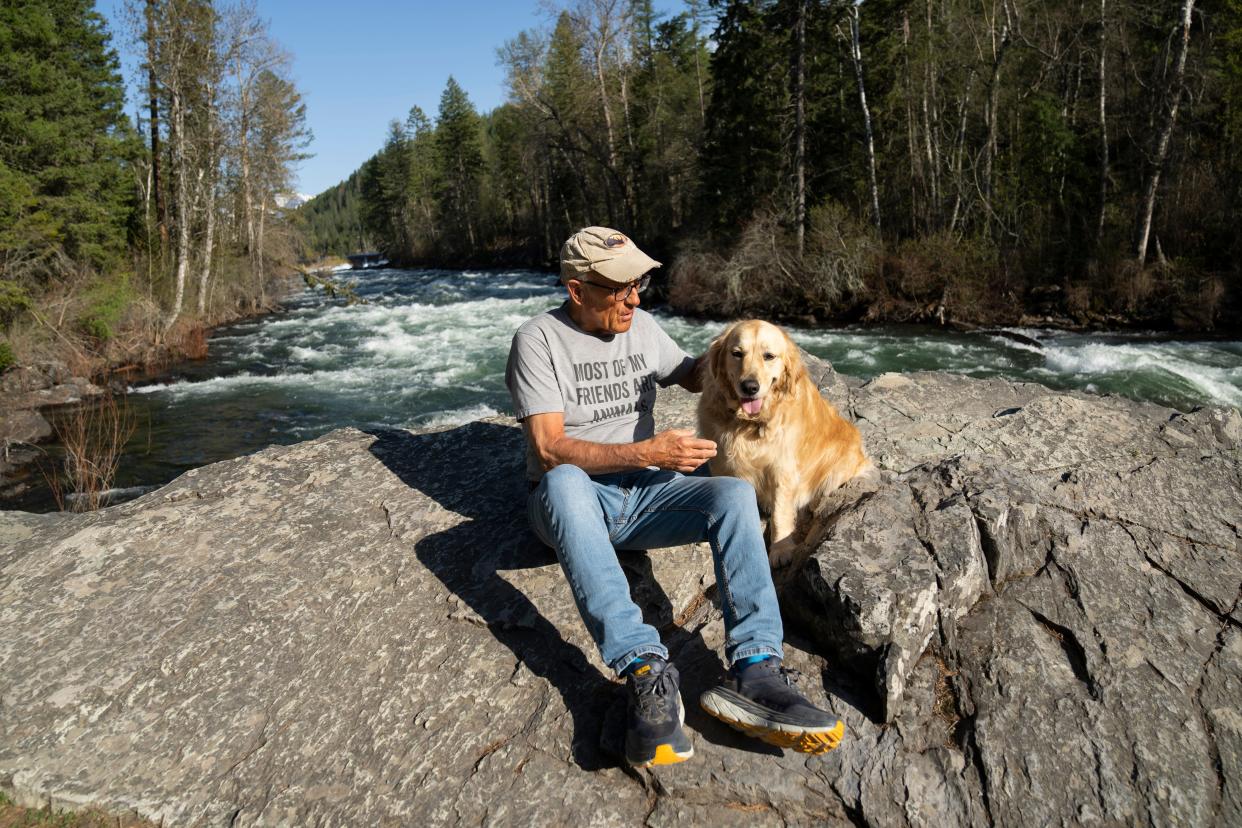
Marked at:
<point>774,429</point>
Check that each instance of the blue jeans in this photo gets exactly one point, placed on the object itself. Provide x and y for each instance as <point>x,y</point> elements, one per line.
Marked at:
<point>586,519</point>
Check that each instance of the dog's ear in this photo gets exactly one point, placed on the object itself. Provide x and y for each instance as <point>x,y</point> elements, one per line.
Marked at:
<point>717,353</point>
<point>794,372</point>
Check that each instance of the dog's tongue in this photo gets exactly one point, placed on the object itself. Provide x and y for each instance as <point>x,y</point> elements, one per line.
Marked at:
<point>752,406</point>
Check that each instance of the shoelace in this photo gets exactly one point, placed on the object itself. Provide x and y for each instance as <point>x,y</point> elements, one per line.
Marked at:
<point>654,695</point>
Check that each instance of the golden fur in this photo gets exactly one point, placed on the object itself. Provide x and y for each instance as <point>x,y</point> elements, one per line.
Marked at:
<point>792,445</point>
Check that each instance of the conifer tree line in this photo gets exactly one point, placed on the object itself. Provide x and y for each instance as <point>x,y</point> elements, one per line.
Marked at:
<point>112,231</point>
<point>887,159</point>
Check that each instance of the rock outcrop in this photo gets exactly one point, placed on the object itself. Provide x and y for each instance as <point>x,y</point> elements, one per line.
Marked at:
<point>1033,619</point>
<point>23,392</point>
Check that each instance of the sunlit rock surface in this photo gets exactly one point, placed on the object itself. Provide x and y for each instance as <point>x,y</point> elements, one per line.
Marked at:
<point>1034,618</point>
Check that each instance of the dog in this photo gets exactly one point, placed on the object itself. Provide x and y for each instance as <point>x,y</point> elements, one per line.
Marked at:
<point>774,429</point>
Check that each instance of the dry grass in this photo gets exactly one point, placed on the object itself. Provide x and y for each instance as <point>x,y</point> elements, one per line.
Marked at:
<point>945,701</point>
<point>15,816</point>
<point>93,435</point>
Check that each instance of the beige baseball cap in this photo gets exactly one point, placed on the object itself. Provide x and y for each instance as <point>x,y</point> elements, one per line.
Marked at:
<point>610,253</point>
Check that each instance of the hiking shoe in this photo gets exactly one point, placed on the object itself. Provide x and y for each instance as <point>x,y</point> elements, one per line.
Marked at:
<point>760,700</point>
<point>654,716</point>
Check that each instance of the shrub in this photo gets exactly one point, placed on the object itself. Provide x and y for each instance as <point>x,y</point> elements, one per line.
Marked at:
<point>13,300</point>
<point>94,434</point>
<point>762,274</point>
<point>942,276</point>
<point>842,255</point>
<point>106,303</point>
<point>7,360</point>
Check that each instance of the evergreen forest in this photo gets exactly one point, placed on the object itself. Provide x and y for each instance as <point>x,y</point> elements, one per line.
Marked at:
<point>975,161</point>
<point>120,239</point>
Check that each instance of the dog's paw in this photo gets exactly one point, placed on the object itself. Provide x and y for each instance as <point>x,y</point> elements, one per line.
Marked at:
<point>781,554</point>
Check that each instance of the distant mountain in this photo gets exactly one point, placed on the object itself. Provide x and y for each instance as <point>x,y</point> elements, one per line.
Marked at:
<point>290,201</point>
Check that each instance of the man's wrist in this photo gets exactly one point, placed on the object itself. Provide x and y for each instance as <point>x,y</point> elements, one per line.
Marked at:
<point>641,458</point>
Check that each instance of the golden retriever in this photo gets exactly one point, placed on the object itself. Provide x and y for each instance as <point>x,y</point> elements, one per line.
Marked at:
<point>773,428</point>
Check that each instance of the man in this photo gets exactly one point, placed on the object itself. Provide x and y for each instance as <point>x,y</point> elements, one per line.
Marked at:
<point>583,379</point>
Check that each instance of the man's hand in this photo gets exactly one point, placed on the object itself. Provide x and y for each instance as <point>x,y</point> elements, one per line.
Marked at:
<point>678,450</point>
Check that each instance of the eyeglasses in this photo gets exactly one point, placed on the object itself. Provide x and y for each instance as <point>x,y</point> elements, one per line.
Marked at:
<point>620,294</point>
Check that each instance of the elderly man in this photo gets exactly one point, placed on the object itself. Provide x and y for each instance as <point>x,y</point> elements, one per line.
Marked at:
<point>583,379</point>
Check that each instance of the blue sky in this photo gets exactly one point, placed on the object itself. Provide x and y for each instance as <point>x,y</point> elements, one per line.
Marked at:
<point>361,63</point>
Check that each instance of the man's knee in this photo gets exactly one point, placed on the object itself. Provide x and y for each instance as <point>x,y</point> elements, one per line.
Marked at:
<point>565,478</point>
<point>732,493</point>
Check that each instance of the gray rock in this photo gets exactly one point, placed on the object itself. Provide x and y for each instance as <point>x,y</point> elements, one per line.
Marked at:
<point>23,426</point>
<point>1032,619</point>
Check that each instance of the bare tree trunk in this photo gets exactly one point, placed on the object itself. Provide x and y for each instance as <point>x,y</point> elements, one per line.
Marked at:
<point>959,150</point>
<point>1166,133</point>
<point>598,20</point>
<point>989,149</point>
<point>258,257</point>
<point>931,122</point>
<point>912,151</point>
<point>695,10</point>
<point>247,189</point>
<point>797,82</point>
<point>161,209</point>
<point>631,208</point>
<point>204,275</point>
<point>1099,227</point>
<point>856,53</point>
<point>183,206</point>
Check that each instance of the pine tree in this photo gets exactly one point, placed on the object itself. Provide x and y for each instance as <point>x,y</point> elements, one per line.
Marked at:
<point>461,165</point>
<point>64,141</point>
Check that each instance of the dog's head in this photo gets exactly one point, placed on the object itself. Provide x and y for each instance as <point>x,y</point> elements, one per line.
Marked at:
<point>754,363</point>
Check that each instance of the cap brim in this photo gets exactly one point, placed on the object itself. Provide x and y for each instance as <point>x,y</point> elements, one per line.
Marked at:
<point>625,269</point>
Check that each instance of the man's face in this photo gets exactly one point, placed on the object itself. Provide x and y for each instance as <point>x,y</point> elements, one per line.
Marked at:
<point>597,311</point>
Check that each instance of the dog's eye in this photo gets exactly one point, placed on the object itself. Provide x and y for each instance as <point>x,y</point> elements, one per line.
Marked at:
<point>769,357</point>
<point>738,353</point>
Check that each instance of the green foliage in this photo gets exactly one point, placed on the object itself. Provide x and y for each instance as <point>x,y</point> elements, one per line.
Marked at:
<point>331,222</point>
<point>457,142</point>
<point>997,177</point>
<point>106,303</point>
<point>64,140</point>
<point>13,300</point>
<point>7,361</point>
<point>742,154</point>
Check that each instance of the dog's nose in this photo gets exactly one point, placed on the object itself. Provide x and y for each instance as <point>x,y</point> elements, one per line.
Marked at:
<point>750,387</point>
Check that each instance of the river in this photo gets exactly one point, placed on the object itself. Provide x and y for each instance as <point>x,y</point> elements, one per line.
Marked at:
<point>429,349</point>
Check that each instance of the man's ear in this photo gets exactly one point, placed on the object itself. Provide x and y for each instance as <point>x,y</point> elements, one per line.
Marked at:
<point>575,291</point>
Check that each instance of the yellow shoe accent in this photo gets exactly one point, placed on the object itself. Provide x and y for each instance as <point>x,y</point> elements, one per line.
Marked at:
<point>665,755</point>
<point>813,742</point>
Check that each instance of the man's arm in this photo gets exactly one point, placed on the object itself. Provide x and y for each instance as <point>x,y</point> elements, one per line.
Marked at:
<point>693,380</point>
<point>676,449</point>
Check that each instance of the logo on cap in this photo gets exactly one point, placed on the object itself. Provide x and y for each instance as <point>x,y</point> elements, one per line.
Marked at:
<point>615,240</point>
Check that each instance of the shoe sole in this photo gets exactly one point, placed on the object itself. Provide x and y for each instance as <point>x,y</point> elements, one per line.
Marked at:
<point>813,740</point>
<point>666,754</point>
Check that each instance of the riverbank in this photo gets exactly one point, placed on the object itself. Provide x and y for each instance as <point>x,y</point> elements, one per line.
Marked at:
<point>847,275</point>
<point>68,368</point>
<point>939,282</point>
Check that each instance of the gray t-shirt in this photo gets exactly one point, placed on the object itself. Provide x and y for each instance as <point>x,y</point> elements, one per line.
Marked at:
<point>604,385</point>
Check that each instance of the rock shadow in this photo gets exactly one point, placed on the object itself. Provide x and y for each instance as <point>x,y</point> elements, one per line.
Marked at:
<point>476,471</point>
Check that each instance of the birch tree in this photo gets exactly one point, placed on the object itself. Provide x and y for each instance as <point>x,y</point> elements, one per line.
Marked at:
<point>1172,98</point>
